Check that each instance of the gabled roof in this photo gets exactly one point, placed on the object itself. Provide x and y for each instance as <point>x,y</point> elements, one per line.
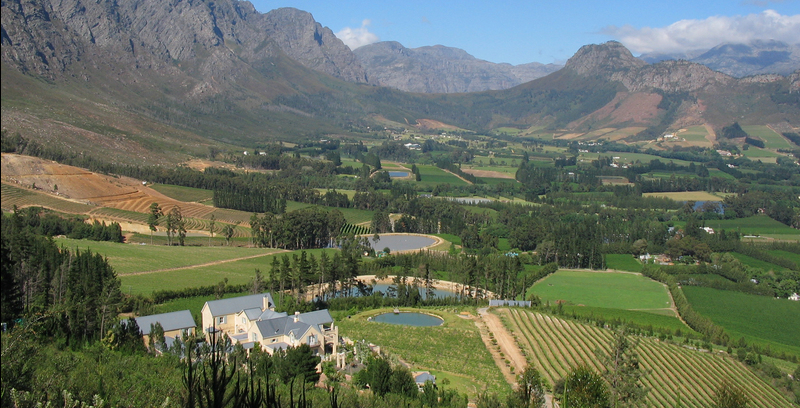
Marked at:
<point>424,376</point>
<point>169,321</point>
<point>317,317</point>
<point>229,306</point>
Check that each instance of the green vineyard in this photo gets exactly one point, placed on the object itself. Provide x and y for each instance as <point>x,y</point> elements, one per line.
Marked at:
<point>677,375</point>
<point>355,229</point>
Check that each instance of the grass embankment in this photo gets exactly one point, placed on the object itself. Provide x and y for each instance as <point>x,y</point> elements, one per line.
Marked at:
<point>22,198</point>
<point>677,376</point>
<point>453,350</point>
<point>762,319</point>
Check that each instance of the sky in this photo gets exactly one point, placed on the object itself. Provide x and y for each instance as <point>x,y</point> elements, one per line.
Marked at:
<point>518,31</point>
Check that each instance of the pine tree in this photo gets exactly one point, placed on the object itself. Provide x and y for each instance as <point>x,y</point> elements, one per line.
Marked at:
<point>623,371</point>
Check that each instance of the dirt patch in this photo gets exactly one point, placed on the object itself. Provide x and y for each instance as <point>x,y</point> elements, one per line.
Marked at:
<point>434,124</point>
<point>488,173</point>
<point>491,328</point>
<point>201,164</point>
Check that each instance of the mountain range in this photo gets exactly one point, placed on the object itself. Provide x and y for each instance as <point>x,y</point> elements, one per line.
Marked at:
<point>150,80</point>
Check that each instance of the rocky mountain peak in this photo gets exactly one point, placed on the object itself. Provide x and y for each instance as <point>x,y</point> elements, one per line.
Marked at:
<point>603,59</point>
<point>308,42</point>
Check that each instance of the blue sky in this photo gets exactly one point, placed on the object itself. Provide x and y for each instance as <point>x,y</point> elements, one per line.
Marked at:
<point>517,32</point>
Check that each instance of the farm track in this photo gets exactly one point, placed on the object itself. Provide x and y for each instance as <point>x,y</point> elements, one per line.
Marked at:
<point>555,346</point>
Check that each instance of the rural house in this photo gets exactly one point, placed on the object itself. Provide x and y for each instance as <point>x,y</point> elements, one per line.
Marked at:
<point>175,325</point>
<point>252,320</point>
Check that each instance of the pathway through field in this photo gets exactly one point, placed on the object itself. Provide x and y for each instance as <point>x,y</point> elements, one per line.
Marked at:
<point>490,323</point>
<point>205,264</point>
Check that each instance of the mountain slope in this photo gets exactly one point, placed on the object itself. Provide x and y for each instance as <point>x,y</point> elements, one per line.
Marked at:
<point>440,69</point>
<point>152,81</point>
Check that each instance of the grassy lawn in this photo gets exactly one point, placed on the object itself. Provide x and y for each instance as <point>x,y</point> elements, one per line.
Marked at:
<point>623,262</point>
<point>771,139</point>
<point>453,350</point>
<point>185,194</point>
<point>608,290</point>
<point>751,316</point>
<point>755,225</point>
<point>696,135</point>
<point>625,157</point>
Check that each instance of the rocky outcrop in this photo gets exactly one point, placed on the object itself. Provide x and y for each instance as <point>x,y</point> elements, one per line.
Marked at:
<point>440,69</point>
<point>612,61</point>
<point>52,37</point>
<point>311,44</point>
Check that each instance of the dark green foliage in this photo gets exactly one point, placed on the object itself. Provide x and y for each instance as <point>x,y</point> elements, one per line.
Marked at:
<point>584,388</point>
<point>733,131</point>
<point>624,373</point>
<point>297,362</point>
<point>728,395</point>
<point>530,392</point>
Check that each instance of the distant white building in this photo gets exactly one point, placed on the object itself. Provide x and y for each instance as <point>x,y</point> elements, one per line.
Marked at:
<point>794,297</point>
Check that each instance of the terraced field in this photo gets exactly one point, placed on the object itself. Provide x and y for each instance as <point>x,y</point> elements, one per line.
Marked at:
<point>677,374</point>
<point>22,198</point>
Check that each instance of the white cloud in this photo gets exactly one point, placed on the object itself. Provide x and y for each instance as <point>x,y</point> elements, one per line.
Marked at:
<point>686,35</point>
<point>357,37</point>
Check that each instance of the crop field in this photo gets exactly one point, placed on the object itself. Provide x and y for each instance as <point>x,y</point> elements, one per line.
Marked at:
<point>453,350</point>
<point>22,198</point>
<point>787,255</point>
<point>771,139</point>
<point>623,262</point>
<point>696,136</point>
<point>678,376</point>
<point>634,317</point>
<point>755,225</point>
<point>686,196</point>
<point>432,175</point>
<point>185,194</point>
<point>757,263</point>
<point>712,172</point>
<point>130,259</point>
<point>604,289</point>
<point>625,157</point>
<point>237,272</point>
<point>751,316</point>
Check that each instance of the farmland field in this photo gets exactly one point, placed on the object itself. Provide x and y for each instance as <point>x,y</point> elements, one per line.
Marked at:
<point>604,289</point>
<point>751,316</point>
<point>757,263</point>
<point>555,346</point>
<point>787,255</point>
<point>686,196</point>
<point>129,259</point>
<point>453,350</point>
<point>755,225</point>
<point>237,272</point>
<point>771,139</point>
<point>21,197</point>
<point>185,194</point>
<point>432,175</point>
<point>633,317</point>
<point>623,262</point>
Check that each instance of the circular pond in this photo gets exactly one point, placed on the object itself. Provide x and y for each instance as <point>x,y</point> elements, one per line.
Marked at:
<point>408,319</point>
<point>401,242</point>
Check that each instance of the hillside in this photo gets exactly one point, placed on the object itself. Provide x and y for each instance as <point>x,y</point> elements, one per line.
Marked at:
<point>149,82</point>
